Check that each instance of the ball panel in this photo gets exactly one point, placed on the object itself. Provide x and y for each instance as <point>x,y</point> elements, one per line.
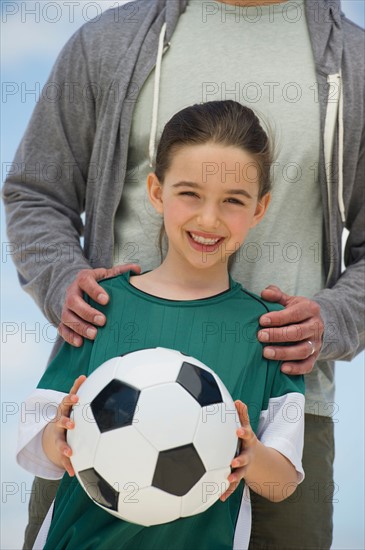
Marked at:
<point>200,383</point>
<point>124,456</point>
<point>212,485</point>
<point>226,396</point>
<point>178,470</point>
<point>219,422</point>
<point>167,416</point>
<point>98,489</point>
<point>149,367</point>
<point>149,506</point>
<point>114,406</point>
<point>97,380</point>
<point>84,438</point>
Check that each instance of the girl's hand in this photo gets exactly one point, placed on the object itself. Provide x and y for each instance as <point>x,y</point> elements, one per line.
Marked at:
<point>54,434</point>
<point>248,445</point>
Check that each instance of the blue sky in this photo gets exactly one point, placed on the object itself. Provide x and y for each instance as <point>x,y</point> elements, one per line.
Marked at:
<point>32,36</point>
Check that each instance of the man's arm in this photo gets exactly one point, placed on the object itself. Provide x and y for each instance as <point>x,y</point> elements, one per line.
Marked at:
<point>334,321</point>
<point>45,190</point>
<point>343,305</point>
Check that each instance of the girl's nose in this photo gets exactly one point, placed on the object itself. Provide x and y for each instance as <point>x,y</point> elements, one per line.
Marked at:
<point>208,217</point>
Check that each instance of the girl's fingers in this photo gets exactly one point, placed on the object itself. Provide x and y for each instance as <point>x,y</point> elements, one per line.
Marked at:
<point>240,461</point>
<point>232,487</point>
<point>242,413</point>
<point>68,467</point>
<point>66,405</point>
<point>66,452</point>
<point>71,399</point>
<point>236,476</point>
<point>63,448</point>
<point>80,380</point>
<point>65,423</point>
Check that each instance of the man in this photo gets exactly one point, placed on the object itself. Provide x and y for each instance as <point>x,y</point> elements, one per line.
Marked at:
<point>295,63</point>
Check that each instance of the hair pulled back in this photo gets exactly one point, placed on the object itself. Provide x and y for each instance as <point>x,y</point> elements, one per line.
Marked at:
<point>222,122</point>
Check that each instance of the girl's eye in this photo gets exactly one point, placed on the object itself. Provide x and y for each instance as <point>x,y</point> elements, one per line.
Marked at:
<point>232,200</point>
<point>188,193</point>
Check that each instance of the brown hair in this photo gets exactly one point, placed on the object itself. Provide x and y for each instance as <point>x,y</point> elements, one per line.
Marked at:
<point>225,122</point>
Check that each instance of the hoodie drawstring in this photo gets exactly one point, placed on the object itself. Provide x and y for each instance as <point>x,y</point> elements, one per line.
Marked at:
<point>156,95</point>
<point>334,114</point>
<point>341,203</point>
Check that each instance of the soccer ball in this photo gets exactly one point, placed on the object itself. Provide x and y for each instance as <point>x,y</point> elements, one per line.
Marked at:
<point>154,436</point>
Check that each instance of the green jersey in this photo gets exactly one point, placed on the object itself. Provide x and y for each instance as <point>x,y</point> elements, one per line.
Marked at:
<point>221,332</point>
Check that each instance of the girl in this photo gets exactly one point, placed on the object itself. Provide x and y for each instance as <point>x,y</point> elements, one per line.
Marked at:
<point>211,185</point>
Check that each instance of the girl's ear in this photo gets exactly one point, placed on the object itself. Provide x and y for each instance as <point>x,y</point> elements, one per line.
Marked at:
<point>261,208</point>
<point>154,190</point>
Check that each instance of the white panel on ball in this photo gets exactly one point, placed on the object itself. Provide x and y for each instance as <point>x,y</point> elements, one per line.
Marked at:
<point>142,369</point>
<point>84,438</point>
<point>125,456</point>
<point>153,507</point>
<point>218,421</point>
<point>167,416</point>
<point>211,486</point>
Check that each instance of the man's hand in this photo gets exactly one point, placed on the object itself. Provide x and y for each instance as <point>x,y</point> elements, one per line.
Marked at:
<point>76,311</point>
<point>299,323</point>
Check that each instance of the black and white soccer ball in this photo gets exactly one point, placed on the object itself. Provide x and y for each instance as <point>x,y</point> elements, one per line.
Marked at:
<point>154,436</point>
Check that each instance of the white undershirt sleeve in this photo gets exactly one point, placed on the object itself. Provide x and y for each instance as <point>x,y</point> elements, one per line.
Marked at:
<point>281,427</point>
<point>37,411</point>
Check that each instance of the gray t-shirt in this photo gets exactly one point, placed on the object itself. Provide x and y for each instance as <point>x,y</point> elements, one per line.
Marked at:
<point>262,57</point>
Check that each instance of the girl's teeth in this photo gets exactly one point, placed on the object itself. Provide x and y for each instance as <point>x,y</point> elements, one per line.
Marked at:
<point>202,240</point>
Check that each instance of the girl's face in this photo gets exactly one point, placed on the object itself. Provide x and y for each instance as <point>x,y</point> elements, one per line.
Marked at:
<point>209,202</point>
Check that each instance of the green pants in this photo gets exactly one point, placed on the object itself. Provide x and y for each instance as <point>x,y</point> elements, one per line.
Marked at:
<point>303,521</point>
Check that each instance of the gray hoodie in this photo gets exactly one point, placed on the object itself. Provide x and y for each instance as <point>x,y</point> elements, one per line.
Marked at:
<point>73,156</point>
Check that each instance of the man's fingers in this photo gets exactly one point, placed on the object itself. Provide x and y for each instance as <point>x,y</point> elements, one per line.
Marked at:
<point>308,330</point>
<point>272,293</point>
<point>122,268</point>
<point>87,279</point>
<point>77,305</point>
<point>78,318</point>
<point>299,367</point>
<point>300,324</point>
<point>301,350</point>
<point>69,335</point>
<point>78,325</point>
<point>295,313</point>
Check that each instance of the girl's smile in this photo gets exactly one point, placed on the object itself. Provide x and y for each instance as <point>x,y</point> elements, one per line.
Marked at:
<point>204,242</point>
